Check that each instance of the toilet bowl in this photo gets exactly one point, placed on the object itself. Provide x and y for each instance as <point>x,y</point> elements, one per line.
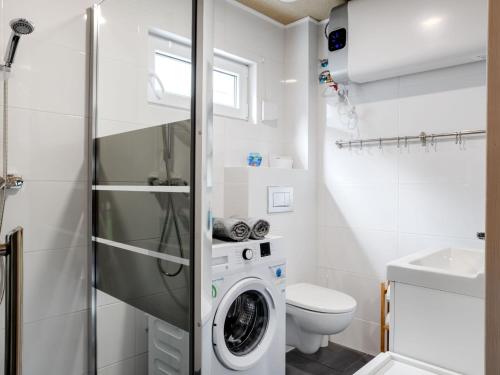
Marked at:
<point>313,312</point>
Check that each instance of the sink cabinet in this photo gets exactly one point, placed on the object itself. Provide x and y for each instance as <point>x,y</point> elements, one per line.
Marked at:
<point>438,327</point>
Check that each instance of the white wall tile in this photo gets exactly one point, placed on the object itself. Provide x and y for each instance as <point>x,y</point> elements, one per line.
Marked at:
<point>366,292</point>
<point>47,146</point>
<point>360,335</point>
<point>445,162</point>
<point>115,333</point>
<point>453,210</point>
<point>218,200</point>
<point>104,299</point>
<point>235,201</point>
<point>141,333</point>
<point>126,367</point>
<point>117,89</point>
<point>359,251</point>
<point>44,85</point>
<point>443,111</point>
<point>53,214</point>
<point>362,206</point>
<point>141,364</point>
<point>56,346</point>
<point>120,35</point>
<point>55,283</point>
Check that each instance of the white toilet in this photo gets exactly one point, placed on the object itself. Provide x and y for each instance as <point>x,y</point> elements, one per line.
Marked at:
<point>313,312</point>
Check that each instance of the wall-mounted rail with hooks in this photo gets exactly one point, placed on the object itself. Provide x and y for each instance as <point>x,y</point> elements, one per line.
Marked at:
<point>423,138</point>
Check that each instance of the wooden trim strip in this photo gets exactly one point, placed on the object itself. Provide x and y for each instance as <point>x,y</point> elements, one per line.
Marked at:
<point>492,344</point>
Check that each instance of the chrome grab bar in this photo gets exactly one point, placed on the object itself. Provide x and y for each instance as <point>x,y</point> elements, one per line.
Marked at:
<point>12,250</point>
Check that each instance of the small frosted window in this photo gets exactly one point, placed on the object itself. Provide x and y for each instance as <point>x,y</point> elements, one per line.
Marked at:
<point>170,79</point>
<point>225,88</point>
<point>174,73</point>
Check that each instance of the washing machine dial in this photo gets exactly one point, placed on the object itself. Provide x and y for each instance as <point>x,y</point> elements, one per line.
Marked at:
<point>247,254</point>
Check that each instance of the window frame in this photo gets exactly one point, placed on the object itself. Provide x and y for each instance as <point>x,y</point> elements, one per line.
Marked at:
<point>176,47</point>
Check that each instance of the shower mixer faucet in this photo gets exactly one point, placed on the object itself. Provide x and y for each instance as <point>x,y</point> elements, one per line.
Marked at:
<point>12,182</point>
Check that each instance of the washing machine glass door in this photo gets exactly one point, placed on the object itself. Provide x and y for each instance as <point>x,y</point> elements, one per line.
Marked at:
<point>245,324</point>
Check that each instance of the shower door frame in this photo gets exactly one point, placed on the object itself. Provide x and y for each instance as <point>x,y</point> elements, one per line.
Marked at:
<point>200,193</point>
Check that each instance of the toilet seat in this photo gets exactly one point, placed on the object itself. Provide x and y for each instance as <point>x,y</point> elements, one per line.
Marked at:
<point>319,299</point>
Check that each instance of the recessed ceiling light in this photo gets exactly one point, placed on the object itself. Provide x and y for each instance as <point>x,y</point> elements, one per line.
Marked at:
<point>431,22</point>
<point>288,1</point>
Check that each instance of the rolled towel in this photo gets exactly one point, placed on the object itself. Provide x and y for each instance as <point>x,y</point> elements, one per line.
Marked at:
<point>231,229</point>
<point>259,228</point>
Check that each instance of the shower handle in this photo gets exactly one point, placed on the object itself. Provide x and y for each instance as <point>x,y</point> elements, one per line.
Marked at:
<point>12,250</point>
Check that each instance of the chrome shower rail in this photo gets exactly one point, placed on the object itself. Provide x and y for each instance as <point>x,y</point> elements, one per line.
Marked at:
<point>423,138</point>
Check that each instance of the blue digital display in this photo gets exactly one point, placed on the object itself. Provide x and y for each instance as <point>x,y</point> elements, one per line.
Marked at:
<point>337,39</point>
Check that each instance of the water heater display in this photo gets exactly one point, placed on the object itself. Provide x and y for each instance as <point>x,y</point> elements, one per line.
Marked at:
<point>337,39</point>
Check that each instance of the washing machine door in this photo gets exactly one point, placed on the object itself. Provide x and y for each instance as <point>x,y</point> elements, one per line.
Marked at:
<point>245,324</point>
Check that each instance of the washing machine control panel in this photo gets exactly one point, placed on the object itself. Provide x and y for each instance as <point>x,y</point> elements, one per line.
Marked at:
<point>253,252</point>
<point>231,257</point>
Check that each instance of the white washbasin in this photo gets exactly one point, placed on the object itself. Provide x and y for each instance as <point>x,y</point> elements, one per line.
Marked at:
<point>452,269</point>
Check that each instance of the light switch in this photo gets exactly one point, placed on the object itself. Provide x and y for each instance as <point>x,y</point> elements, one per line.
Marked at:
<point>280,199</point>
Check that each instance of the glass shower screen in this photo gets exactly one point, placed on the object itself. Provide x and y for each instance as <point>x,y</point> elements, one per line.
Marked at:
<point>142,191</point>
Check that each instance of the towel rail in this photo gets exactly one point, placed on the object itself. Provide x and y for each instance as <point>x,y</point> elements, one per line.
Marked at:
<point>423,138</point>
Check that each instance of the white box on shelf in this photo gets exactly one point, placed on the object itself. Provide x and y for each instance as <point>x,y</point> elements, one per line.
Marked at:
<point>277,161</point>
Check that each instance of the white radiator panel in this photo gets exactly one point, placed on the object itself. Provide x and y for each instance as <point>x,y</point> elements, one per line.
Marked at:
<point>168,346</point>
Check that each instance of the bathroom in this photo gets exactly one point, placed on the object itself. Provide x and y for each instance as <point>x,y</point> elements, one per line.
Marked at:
<point>367,160</point>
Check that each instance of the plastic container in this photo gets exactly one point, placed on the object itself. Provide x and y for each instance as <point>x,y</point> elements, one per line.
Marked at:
<point>277,161</point>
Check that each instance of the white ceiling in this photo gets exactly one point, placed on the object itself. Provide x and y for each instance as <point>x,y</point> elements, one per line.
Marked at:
<point>286,13</point>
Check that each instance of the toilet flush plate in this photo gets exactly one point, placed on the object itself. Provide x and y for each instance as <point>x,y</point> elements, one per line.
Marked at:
<point>394,364</point>
<point>279,199</point>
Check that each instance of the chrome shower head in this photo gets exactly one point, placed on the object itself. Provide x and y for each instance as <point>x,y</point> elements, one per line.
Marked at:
<point>19,26</point>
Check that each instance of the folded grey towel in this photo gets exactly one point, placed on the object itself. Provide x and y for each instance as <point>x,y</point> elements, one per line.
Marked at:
<point>259,228</point>
<point>231,229</point>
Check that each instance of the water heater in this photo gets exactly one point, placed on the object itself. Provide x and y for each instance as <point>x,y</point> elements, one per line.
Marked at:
<point>369,40</point>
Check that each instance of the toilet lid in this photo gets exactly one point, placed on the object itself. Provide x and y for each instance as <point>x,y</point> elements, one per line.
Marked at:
<point>316,298</point>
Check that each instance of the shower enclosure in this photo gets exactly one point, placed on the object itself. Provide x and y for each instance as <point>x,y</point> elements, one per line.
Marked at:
<point>150,185</point>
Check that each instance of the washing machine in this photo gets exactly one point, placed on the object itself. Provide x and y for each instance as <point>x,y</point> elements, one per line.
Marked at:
<point>249,308</point>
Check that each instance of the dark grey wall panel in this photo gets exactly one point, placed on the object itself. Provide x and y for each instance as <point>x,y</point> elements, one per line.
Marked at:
<point>144,219</point>
<point>136,157</point>
<point>136,279</point>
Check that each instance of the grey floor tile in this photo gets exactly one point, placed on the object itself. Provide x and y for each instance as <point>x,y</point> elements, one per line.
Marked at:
<point>305,365</point>
<point>332,360</point>
<point>356,366</point>
<point>336,357</point>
